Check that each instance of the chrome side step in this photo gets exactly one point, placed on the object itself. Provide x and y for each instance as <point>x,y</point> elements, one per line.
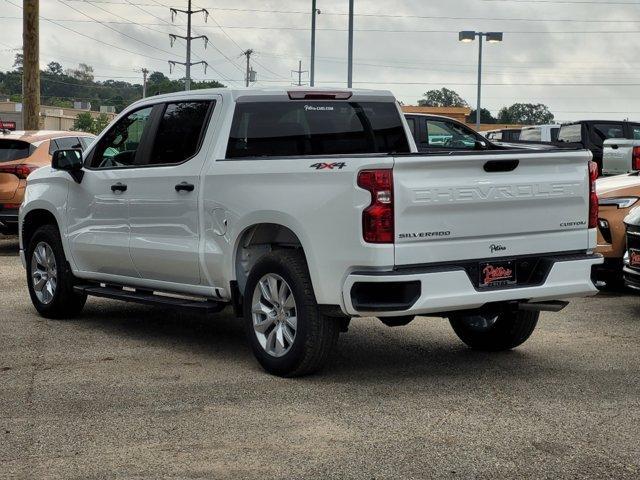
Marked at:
<point>146,297</point>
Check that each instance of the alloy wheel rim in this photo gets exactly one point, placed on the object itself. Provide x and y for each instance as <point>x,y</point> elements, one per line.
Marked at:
<point>44,273</point>
<point>274,315</point>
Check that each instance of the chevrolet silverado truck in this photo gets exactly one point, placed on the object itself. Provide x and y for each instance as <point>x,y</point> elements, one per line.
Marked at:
<point>302,209</point>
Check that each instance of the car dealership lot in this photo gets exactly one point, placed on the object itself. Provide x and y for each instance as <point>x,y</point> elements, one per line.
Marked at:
<point>132,391</point>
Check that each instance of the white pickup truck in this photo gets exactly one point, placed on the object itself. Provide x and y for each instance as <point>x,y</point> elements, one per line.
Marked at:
<point>303,209</point>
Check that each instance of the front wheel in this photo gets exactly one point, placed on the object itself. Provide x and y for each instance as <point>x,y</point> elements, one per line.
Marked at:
<point>288,335</point>
<point>49,278</point>
<point>495,332</point>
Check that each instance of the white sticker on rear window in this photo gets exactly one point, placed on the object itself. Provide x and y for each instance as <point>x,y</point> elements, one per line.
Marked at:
<point>315,108</point>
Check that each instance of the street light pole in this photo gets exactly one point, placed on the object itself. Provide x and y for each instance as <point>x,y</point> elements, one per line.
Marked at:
<point>350,52</point>
<point>312,67</point>
<point>479,82</point>
<point>469,36</point>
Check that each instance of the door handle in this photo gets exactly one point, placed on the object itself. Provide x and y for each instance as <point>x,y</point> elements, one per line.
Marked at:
<point>615,147</point>
<point>184,186</point>
<point>118,187</point>
<point>501,165</point>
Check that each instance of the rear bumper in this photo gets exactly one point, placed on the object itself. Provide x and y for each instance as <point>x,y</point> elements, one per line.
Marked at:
<point>446,288</point>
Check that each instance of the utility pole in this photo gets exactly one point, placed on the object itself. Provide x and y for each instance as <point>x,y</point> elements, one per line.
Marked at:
<point>247,53</point>
<point>144,82</point>
<point>299,72</point>
<point>350,53</point>
<point>31,65</point>
<point>312,67</point>
<point>188,38</point>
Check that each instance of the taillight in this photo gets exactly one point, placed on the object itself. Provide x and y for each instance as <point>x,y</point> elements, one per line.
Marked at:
<point>593,196</point>
<point>21,170</point>
<point>377,218</point>
<point>635,158</point>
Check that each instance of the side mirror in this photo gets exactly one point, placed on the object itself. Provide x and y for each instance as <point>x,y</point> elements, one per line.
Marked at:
<point>481,145</point>
<point>69,161</point>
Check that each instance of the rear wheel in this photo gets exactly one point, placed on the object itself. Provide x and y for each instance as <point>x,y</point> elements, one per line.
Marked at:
<point>285,329</point>
<point>495,332</point>
<point>49,278</point>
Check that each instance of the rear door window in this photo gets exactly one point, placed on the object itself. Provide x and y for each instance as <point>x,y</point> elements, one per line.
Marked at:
<point>68,143</point>
<point>412,126</point>
<point>570,133</point>
<point>86,141</point>
<point>295,128</point>
<point>635,131</point>
<point>14,150</point>
<point>531,134</point>
<point>180,132</point>
<point>442,134</point>
<point>602,131</point>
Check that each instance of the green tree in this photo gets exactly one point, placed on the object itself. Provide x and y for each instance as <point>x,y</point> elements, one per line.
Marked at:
<point>83,73</point>
<point>100,123</point>
<point>84,123</point>
<point>442,98</point>
<point>526,114</point>
<point>485,116</point>
<point>18,62</point>
<point>54,68</point>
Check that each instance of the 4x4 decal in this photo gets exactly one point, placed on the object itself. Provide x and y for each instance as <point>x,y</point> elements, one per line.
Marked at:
<point>329,166</point>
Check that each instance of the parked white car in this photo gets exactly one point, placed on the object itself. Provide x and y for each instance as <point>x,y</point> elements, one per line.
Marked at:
<point>302,209</point>
<point>620,155</point>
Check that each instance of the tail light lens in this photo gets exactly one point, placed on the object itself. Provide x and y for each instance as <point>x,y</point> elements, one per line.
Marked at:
<point>593,196</point>
<point>635,158</point>
<point>377,219</point>
<point>21,171</point>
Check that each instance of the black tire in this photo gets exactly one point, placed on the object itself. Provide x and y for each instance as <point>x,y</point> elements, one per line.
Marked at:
<point>316,335</point>
<point>65,303</point>
<point>509,330</point>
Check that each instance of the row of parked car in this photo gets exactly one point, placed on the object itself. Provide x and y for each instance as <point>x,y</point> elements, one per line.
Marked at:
<point>615,147</point>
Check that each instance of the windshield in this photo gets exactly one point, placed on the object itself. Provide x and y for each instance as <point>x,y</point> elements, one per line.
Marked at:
<point>14,150</point>
<point>296,128</point>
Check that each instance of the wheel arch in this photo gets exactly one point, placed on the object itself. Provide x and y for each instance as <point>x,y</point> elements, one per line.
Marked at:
<point>34,219</point>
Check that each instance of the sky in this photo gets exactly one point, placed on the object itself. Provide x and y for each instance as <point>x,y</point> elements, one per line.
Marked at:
<point>579,57</point>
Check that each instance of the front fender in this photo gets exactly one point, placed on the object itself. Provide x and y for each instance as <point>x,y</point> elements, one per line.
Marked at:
<point>49,194</point>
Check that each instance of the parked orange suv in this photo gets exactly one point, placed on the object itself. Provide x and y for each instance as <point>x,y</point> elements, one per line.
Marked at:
<point>20,154</point>
<point>618,195</point>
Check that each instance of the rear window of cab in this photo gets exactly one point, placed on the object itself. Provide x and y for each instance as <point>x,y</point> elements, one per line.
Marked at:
<point>297,128</point>
<point>14,150</point>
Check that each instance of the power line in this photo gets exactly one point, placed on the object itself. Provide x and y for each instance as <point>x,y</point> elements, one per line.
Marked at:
<point>165,22</point>
<point>115,29</point>
<point>101,41</point>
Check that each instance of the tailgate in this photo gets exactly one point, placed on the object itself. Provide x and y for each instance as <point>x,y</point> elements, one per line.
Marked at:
<point>616,156</point>
<point>450,208</point>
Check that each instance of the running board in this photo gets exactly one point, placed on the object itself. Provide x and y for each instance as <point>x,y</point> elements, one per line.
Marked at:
<point>149,298</point>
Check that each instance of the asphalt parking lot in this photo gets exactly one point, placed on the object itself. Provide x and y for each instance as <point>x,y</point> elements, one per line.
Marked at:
<point>132,391</point>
